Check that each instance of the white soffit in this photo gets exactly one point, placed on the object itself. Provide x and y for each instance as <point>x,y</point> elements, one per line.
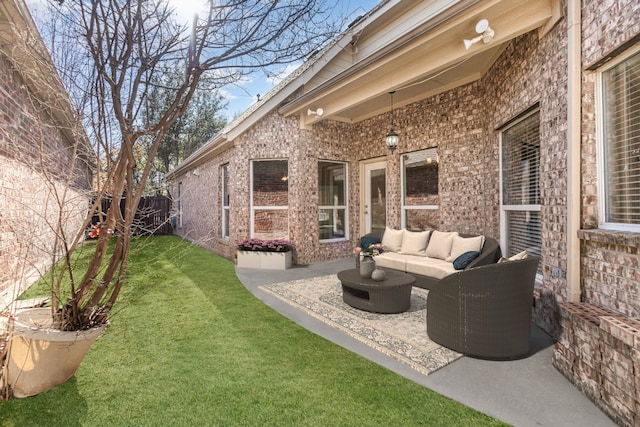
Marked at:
<point>415,49</point>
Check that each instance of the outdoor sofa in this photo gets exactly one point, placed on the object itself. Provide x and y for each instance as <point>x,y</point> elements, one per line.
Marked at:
<point>431,255</point>
<point>486,311</point>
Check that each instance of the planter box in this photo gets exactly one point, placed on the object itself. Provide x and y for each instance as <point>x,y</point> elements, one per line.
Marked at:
<point>266,260</point>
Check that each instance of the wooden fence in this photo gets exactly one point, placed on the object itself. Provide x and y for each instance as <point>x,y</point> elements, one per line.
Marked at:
<point>153,216</point>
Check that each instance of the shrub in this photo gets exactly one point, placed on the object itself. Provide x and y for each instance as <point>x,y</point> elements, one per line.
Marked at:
<point>260,245</point>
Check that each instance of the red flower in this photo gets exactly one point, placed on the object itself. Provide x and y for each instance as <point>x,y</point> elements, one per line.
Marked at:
<point>95,231</point>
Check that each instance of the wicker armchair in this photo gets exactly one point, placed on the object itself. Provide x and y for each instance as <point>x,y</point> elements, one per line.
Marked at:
<point>485,311</point>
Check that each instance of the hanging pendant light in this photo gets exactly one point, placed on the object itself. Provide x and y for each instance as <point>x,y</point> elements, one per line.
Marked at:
<point>392,136</point>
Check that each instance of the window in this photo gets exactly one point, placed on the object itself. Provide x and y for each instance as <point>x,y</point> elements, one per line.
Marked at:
<point>332,200</point>
<point>619,144</point>
<point>420,200</point>
<point>179,205</point>
<point>520,187</point>
<point>270,199</point>
<point>225,201</point>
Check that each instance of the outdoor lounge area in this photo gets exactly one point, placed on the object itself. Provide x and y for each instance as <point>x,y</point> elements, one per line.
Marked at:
<point>491,148</point>
<point>480,304</point>
<point>511,120</point>
<point>251,356</point>
<point>523,392</point>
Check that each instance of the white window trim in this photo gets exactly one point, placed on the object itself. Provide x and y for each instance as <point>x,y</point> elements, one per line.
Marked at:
<point>511,208</point>
<point>600,148</point>
<point>344,207</point>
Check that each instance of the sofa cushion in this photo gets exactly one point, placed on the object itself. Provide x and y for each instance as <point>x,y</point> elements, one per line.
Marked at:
<point>440,244</point>
<point>461,245</point>
<point>431,267</point>
<point>414,242</point>
<point>392,260</point>
<point>465,259</point>
<point>392,240</point>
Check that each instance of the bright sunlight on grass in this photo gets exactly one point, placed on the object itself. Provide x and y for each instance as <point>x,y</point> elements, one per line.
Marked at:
<point>188,345</point>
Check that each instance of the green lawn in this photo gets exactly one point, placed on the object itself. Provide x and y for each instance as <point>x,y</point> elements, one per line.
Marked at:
<point>189,345</point>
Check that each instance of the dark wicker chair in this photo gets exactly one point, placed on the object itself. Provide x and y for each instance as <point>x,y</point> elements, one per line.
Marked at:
<point>485,311</point>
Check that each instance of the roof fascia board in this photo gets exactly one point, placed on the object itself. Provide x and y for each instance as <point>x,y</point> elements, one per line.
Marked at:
<point>215,145</point>
<point>279,95</point>
<point>270,102</point>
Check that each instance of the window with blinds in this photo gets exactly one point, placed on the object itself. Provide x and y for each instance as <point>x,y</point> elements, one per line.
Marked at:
<point>420,199</point>
<point>270,199</point>
<point>620,144</point>
<point>520,187</point>
<point>225,201</point>
<point>180,205</point>
<point>332,200</point>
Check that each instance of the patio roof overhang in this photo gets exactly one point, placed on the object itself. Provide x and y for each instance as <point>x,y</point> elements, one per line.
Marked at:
<point>417,50</point>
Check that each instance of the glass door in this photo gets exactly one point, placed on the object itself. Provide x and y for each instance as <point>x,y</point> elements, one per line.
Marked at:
<point>375,196</point>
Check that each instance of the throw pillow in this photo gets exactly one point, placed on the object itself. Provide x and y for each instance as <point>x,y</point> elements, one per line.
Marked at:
<point>440,244</point>
<point>392,240</point>
<point>521,255</point>
<point>465,244</point>
<point>414,242</point>
<point>365,242</point>
<point>465,259</point>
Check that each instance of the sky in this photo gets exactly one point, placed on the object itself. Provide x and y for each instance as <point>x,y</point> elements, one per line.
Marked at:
<point>241,98</point>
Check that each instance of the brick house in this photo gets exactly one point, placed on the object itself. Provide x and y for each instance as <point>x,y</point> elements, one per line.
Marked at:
<point>528,135</point>
<point>38,135</point>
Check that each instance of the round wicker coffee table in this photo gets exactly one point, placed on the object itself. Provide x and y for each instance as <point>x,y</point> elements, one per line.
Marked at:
<point>392,295</point>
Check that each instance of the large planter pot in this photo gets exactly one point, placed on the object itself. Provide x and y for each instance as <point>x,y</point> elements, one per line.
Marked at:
<point>41,357</point>
<point>266,260</point>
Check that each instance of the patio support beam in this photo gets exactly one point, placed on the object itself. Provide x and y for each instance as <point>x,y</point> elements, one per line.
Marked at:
<point>574,81</point>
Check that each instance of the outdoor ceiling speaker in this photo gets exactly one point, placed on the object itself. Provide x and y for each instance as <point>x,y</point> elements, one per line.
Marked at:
<point>485,31</point>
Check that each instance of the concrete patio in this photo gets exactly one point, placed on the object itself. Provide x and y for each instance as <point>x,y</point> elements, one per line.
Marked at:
<point>525,392</point>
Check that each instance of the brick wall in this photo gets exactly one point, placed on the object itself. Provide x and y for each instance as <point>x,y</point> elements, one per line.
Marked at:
<point>598,345</point>
<point>201,199</point>
<point>461,123</point>
<point>610,270</point>
<point>599,351</point>
<point>610,259</point>
<point>607,27</point>
<point>534,72</point>
<point>464,124</point>
<point>28,184</point>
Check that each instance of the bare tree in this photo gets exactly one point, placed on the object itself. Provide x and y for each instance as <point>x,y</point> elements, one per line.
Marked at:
<point>200,122</point>
<point>113,49</point>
